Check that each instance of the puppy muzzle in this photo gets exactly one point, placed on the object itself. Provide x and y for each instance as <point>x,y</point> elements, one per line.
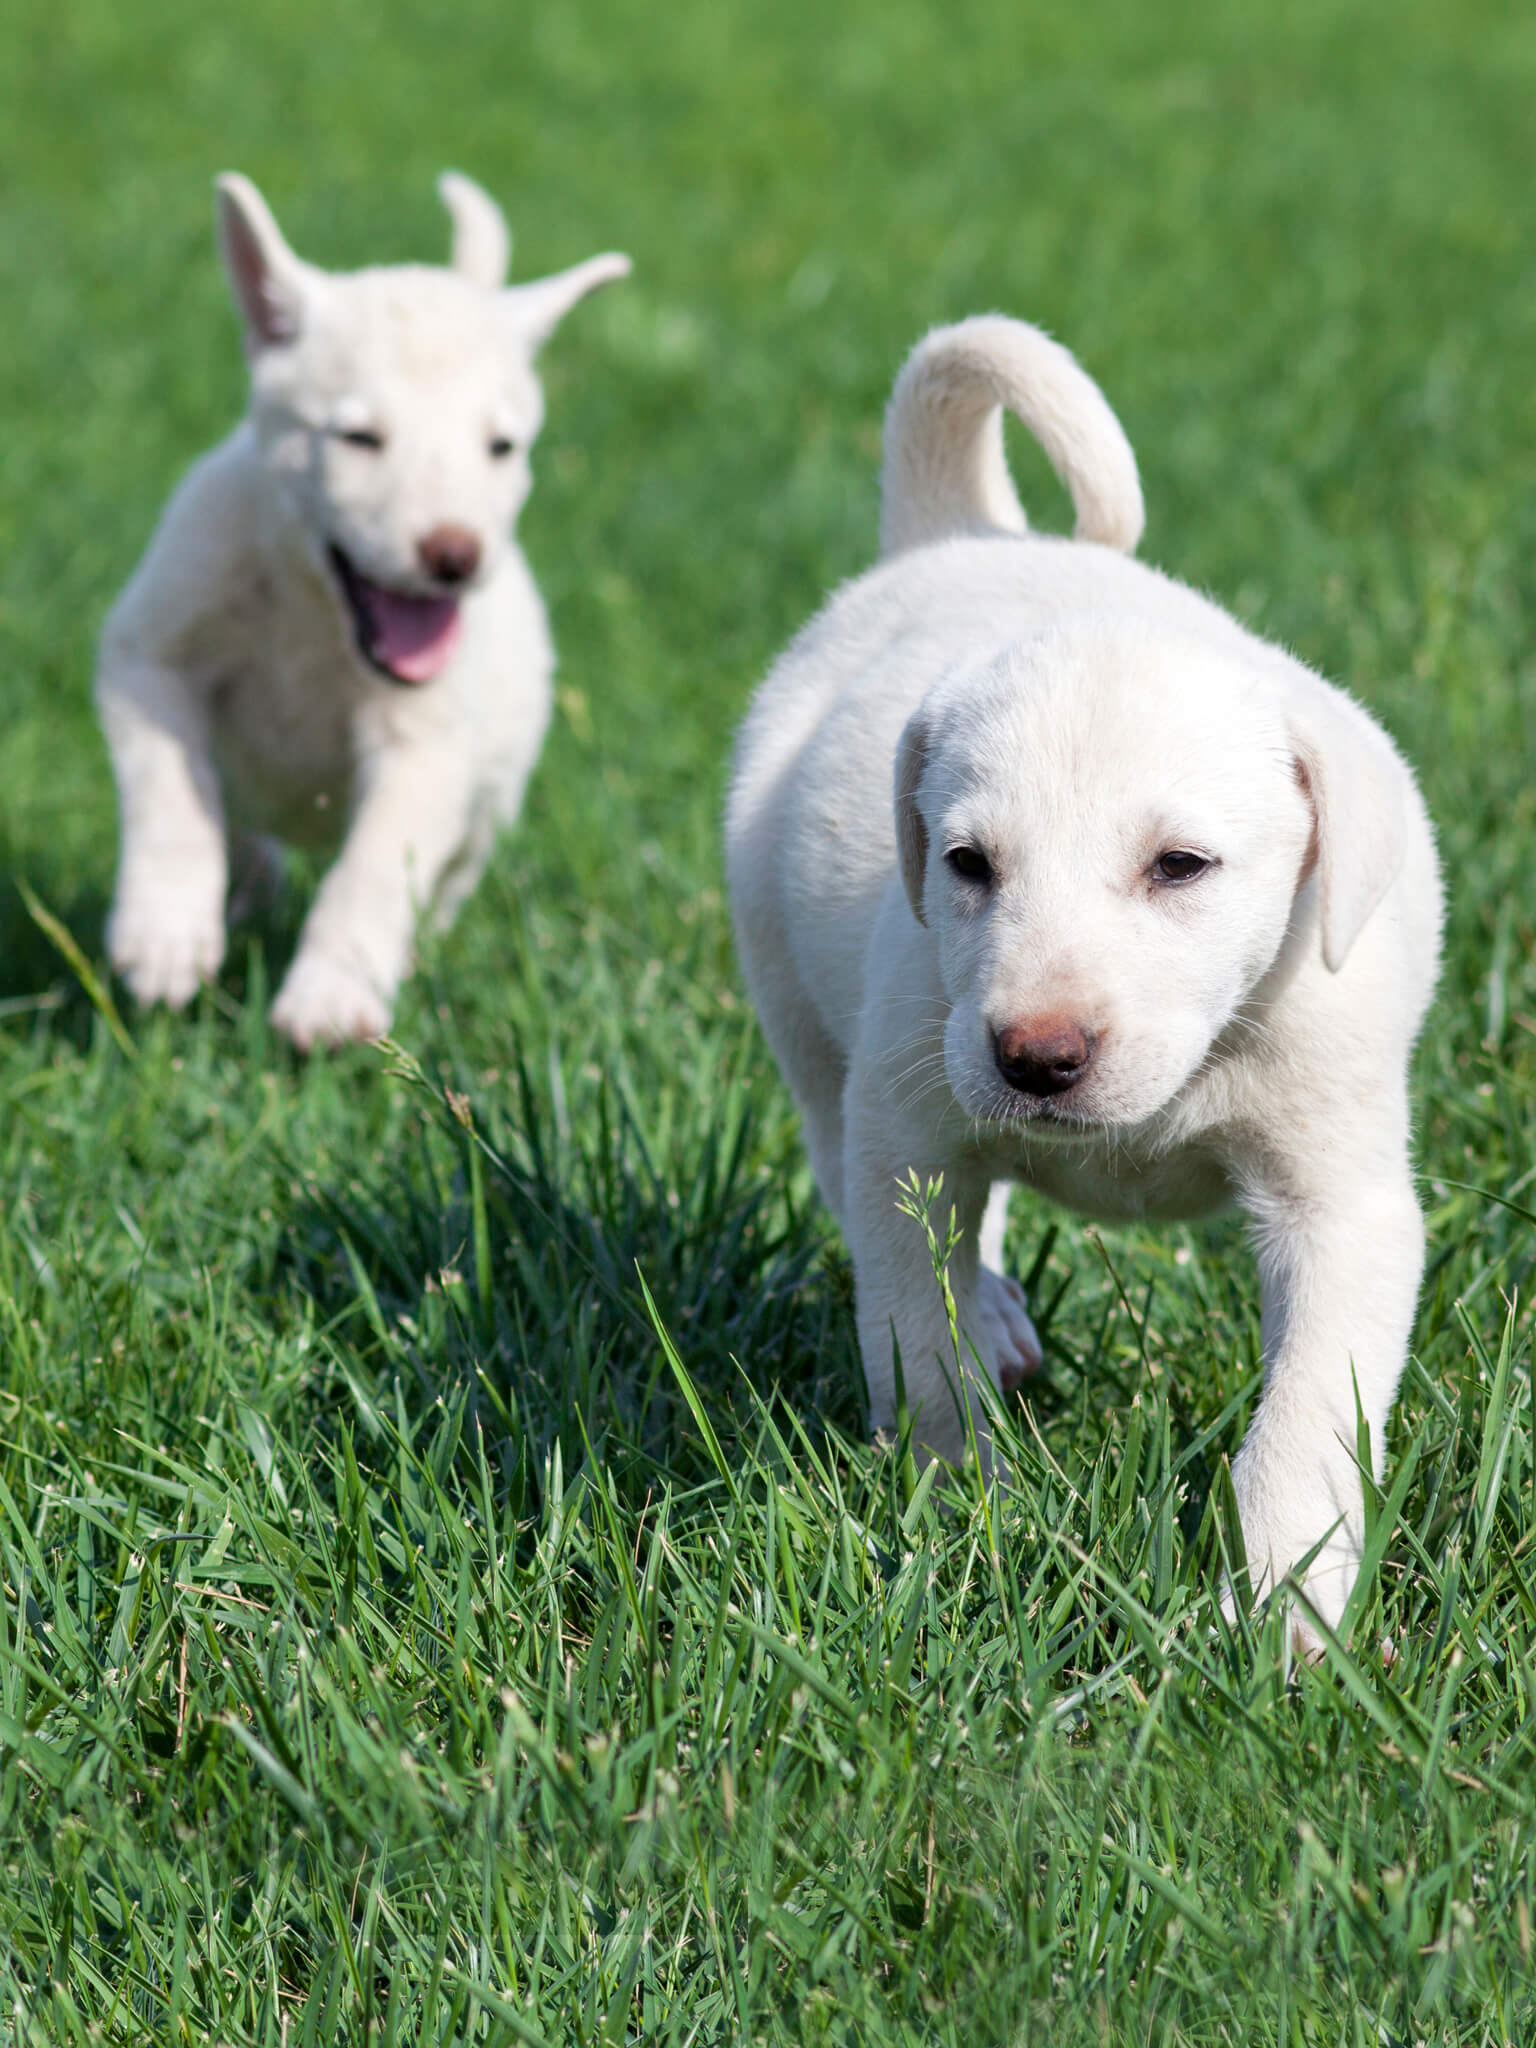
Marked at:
<point>1044,1057</point>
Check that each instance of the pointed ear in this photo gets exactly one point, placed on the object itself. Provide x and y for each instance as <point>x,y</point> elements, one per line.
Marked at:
<point>537,309</point>
<point>482,242</point>
<point>911,829</point>
<point>1353,777</point>
<point>270,284</point>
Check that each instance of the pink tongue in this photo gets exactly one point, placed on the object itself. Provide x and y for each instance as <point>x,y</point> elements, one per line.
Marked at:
<point>412,636</point>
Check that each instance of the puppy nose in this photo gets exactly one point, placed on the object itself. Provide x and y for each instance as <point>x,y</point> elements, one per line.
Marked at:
<point>451,554</point>
<point>1043,1055</point>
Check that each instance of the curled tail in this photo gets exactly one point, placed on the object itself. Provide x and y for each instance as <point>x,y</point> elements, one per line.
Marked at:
<point>945,470</point>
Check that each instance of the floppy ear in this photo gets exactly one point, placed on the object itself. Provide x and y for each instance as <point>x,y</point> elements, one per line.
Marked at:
<point>269,282</point>
<point>482,243</point>
<point>911,831</point>
<point>537,309</point>
<point>1353,778</point>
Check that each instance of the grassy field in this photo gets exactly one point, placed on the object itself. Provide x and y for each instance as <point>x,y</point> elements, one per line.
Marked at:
<point>446,1595</point>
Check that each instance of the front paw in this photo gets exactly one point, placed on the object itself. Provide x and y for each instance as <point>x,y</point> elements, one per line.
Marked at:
<point>1325,1589</point>
<point>165,945</point>
<point>1015,1342</point>
<point>1277,1545</point>
<point>324,1002</point>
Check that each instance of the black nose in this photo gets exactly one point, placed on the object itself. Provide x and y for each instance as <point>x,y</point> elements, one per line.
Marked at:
<point>451,554</point>
<point>1043,1055</point>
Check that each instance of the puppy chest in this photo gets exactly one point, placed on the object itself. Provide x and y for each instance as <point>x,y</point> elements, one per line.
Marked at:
<point>286,751</point>
<point>1117,1186</point>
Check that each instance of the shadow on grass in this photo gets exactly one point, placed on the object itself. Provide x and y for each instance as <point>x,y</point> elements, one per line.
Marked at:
<point>509,1277</point>
<point>36,976</point>
<point>494,1270</point>
<point>33,972</point>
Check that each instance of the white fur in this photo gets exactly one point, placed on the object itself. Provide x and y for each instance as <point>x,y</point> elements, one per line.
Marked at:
<point>231,686</point>
<point>1074,716</point>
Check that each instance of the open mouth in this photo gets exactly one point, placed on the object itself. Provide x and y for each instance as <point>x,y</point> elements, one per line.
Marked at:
<point>406,639</point>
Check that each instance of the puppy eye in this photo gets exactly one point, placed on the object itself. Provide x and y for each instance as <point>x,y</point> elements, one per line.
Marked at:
<point>1178,866</point>
<point>360,437</point>
<point>501,445</point>
<point>969,863</point>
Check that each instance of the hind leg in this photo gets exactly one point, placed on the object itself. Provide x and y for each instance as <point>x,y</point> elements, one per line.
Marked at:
<point>1002,1302</point>
<point>813,1067</point>
<point>811,1063</point>
<point>814,1071</point>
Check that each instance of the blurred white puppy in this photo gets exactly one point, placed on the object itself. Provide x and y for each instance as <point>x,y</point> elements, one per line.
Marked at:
<point>1152,924</point>
<point>333,637</point>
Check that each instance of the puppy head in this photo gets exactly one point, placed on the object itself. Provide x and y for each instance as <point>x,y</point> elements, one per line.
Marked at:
<point>1107,834</point>
<point>395,409</point>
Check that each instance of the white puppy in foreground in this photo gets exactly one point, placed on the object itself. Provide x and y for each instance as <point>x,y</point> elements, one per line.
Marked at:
<point>333,637</point>
<point>1151,925</point>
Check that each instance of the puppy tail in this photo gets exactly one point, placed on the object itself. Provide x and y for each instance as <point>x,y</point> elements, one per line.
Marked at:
<point>946,473</point>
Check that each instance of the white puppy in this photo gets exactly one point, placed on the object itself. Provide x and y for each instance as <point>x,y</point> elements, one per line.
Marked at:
<point>333,637</point>
<point>1152,924</point>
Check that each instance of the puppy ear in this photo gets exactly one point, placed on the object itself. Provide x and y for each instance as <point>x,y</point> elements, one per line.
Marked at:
<point>536,310</point>
<point>911,830</point>
<point>1353,777</point>
<point>270,284</point>
<point>482,242</point>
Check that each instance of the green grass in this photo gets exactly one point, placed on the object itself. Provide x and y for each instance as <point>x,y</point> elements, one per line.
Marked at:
<point>415,1630</point>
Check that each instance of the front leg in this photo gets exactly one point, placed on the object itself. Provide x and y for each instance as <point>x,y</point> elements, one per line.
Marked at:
<point>411,815</point>
<point>900,1299</point>
<point>1340,1272</point>
<point>165,931</point>
<point>1004,1306</point>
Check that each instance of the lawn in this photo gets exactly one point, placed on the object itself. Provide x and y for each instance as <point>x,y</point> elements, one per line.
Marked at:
<point>447,1597</point>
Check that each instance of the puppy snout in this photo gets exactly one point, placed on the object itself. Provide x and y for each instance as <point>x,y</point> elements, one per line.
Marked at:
<point>449,554</point>
<point>1043,1055</point>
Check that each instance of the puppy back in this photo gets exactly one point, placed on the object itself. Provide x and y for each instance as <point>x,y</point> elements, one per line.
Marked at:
<point>946,473</point>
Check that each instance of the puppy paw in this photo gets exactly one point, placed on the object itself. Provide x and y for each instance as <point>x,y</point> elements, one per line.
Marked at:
<point>1307,1640</point>
<point>323,1002</point>
<point>1326,1589</point>
<point>1015,1343</point>
<point>1324,1592</point>
<point>166,947</point>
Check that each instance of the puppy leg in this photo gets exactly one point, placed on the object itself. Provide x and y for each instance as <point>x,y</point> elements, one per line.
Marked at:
<point>1340,1273</point>
<point>461,877</point>
<point>814,1069</point>
<point>810,1062</point>
<point>1003,1304</point>
<point>900,1300</point>
<point>514,726</point>
<point>165,932</point>
<point>411,818</point>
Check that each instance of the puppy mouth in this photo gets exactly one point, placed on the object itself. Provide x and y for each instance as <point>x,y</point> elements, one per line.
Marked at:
<point>406,639</point>
<point>1044,1111</point>
<point>1046,1116</point>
